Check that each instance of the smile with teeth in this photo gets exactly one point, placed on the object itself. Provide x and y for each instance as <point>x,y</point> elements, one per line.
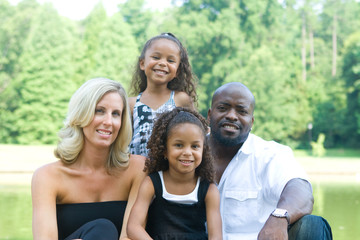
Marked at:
<point>104,132</point>
<point>160,71</point>
<point>230,127</point>
<point>186,161</point>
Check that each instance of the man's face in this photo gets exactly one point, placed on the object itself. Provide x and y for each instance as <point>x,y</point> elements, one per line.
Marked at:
<point>231,115</point>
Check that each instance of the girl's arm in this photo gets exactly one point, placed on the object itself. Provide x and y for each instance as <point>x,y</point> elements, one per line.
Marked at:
<point>213,217</point>
<point>137,220</point>
<point>43,193</point>
<point>183,100</point>
<point>136,167</point>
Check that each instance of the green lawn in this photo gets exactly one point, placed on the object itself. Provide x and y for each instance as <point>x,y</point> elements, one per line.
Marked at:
<point>17,162</point>
<point>332,153</point>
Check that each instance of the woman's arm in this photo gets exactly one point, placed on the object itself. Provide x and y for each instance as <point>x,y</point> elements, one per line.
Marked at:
<point>136,167</point>
<point>137,220</point>
<point>43,193</point>
<point>213,217</point>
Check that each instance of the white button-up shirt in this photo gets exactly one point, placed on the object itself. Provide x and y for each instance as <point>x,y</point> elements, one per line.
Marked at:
<point>251,185</point>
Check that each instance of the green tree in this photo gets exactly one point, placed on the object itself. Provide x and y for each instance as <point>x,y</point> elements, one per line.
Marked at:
<point>14,28</point>
<point>327,88</point>
<point>6,11</point>
<point>213,41</point>
<point>281,109</point>
<point>286,52</point>
<point>89,43</point>
<point>139,18</point>
<point>351,75</point>
<point>44,82</point>
<point>117,53</point>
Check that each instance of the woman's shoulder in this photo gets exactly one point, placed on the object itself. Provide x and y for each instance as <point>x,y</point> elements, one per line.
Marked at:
<point>48,175</point>
<point>50,169</point>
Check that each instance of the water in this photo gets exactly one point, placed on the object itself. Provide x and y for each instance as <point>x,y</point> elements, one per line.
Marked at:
<point>15,212</point>
<point>338,203</point>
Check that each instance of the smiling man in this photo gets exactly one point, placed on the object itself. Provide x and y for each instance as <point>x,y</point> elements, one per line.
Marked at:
<point>264,192</point>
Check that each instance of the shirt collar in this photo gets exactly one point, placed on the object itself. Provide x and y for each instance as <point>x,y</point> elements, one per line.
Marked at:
<point>247,148</point>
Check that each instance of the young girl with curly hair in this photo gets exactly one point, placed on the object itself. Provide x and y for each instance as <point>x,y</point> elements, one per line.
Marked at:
<point>178,198</point>
<point>162,80</point>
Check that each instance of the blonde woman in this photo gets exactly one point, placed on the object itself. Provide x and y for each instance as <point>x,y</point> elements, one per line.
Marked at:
<point>88,193</point>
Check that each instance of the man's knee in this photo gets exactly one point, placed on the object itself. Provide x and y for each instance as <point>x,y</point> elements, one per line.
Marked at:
<point>310,227</point>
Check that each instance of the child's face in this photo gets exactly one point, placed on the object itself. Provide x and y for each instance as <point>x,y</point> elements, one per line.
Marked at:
<point>185,145</point>
<point>161,61</point>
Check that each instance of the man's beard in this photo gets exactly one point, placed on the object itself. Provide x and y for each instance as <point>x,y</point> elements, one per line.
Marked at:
<point>227,141</point>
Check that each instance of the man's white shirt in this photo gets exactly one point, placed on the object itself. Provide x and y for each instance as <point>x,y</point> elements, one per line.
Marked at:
<point>251,185</point>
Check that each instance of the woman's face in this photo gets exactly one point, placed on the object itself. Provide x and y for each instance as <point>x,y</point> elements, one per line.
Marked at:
<point>104,128</point>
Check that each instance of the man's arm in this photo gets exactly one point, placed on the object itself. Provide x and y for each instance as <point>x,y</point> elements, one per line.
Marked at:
<point>298,200</point>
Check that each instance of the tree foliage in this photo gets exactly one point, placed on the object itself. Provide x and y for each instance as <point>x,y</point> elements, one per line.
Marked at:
<point>300,59</point>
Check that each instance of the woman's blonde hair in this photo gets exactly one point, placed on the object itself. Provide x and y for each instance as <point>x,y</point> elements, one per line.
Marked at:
<point>81,112</point>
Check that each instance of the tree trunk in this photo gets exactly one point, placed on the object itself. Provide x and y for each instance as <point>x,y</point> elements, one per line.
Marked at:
<point>312,55</point>
<point>334,54</point>
<point>303,49</point>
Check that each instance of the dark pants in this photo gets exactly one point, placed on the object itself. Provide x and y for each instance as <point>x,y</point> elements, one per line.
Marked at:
<point>310,227</point>
<point>99,229</point>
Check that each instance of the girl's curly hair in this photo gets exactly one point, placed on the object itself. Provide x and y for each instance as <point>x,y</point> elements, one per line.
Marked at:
<point>185,80</point>
<point>156,160</point>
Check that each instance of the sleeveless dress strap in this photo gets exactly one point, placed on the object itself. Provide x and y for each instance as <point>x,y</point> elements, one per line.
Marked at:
<point>203,189</point>
<point>155,178</point>
<point>138,97</point>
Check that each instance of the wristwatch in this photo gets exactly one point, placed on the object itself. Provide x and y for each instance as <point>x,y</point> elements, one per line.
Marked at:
<point>281,213</point>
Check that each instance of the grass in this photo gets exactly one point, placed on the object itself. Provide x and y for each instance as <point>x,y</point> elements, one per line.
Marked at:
<point>331,153</point>
<point>17,162</point>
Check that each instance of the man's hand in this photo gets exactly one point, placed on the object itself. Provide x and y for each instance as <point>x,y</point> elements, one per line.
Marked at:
<point>274,228</point>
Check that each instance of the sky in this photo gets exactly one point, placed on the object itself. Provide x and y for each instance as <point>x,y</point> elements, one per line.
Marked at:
<point>79,9</point>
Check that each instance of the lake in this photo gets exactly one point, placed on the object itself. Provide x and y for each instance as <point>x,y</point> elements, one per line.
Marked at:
<point>338,202</point>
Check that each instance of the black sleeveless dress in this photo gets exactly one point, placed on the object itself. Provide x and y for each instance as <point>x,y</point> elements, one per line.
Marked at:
<point>70,217</point>
<point>175,221</point>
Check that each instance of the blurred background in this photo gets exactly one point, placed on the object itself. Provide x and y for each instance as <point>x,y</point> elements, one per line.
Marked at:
<point>300,58</point>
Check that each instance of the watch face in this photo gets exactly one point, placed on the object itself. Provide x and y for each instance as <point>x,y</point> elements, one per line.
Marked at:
<point>280,212</point>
